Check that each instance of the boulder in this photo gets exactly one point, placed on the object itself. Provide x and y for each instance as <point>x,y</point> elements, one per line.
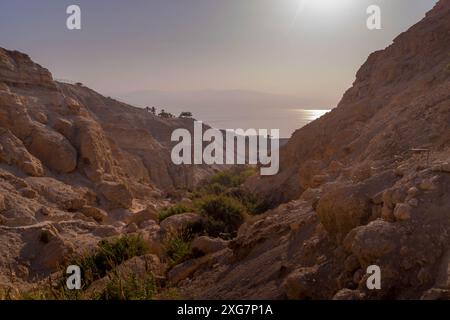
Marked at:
<point>132,228</point>
<point>144,215</point>
<point>97,214</point>
<point>208,245</point>
<point>368,243</point>
<point>13,152</point>
<point>347,294</point>
<point>73,107</point>
<point>301,284</point>
<point>53,254</point>
<point>179,222</point>
<point>63,195</point>
<point>117,194</point>
<point>64,127</point>
<point>187,268</point>
<point>53,150</point>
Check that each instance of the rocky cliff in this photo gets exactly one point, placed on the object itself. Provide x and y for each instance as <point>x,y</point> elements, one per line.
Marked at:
<point>75,164</point>
<point>367,184</point>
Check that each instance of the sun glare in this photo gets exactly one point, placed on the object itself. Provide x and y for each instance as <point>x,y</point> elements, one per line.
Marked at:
<point>322,7</point>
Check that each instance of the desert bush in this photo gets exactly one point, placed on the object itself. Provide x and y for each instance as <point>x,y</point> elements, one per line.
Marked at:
<point>129,287</point>
<point>222,214</point>
<point>109,254</point>
<point>177,247</point>
<point>253,203</point>
<point>233,177</point>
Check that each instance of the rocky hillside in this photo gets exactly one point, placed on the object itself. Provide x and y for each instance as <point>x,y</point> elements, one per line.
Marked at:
<point>367,184</point>
<point>75,164</point>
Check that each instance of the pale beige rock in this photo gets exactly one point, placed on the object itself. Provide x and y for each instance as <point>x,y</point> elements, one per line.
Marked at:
<point>53,150</point>
<point>98,214</point>
<point>13,152</point>
<point>117,194</point>
<point>144,215</point>
<point>347,294</point>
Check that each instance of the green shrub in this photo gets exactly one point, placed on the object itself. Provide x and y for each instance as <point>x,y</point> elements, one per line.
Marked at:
<point>214,188</point>
<point>233,177</point>
<point>177,248</point>
<point>170,211</point>
<point>253,203</point>
<point>109,255</point>
<point>129,287</point>
<point>223,215</point>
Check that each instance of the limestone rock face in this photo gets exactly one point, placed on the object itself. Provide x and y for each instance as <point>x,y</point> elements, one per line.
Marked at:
<point>19,70</point>
<point>77,165</point>
<point>54,150</point>
<point>13,152</point>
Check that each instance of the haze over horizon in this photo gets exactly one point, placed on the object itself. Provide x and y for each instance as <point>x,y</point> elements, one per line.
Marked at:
<point>262,50</point>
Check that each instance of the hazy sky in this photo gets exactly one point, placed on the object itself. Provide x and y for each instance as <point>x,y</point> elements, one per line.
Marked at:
<point>184,45</point>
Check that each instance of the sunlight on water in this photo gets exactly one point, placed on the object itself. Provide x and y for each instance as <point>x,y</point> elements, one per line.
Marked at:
<point>311,115</point>
<point>287,120</point>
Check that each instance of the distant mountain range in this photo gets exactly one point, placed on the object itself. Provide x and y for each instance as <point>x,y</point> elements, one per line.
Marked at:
<point>216,100</point>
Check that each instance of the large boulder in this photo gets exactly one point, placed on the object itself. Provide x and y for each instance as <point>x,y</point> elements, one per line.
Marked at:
<point>179,222</point>
<point>208,245</point>
<point>53,149</point>
<point>97,214</point>
<point>143,216</point>
<point>117,194</point>
<point>372,242</point>
<point>303,284</point>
